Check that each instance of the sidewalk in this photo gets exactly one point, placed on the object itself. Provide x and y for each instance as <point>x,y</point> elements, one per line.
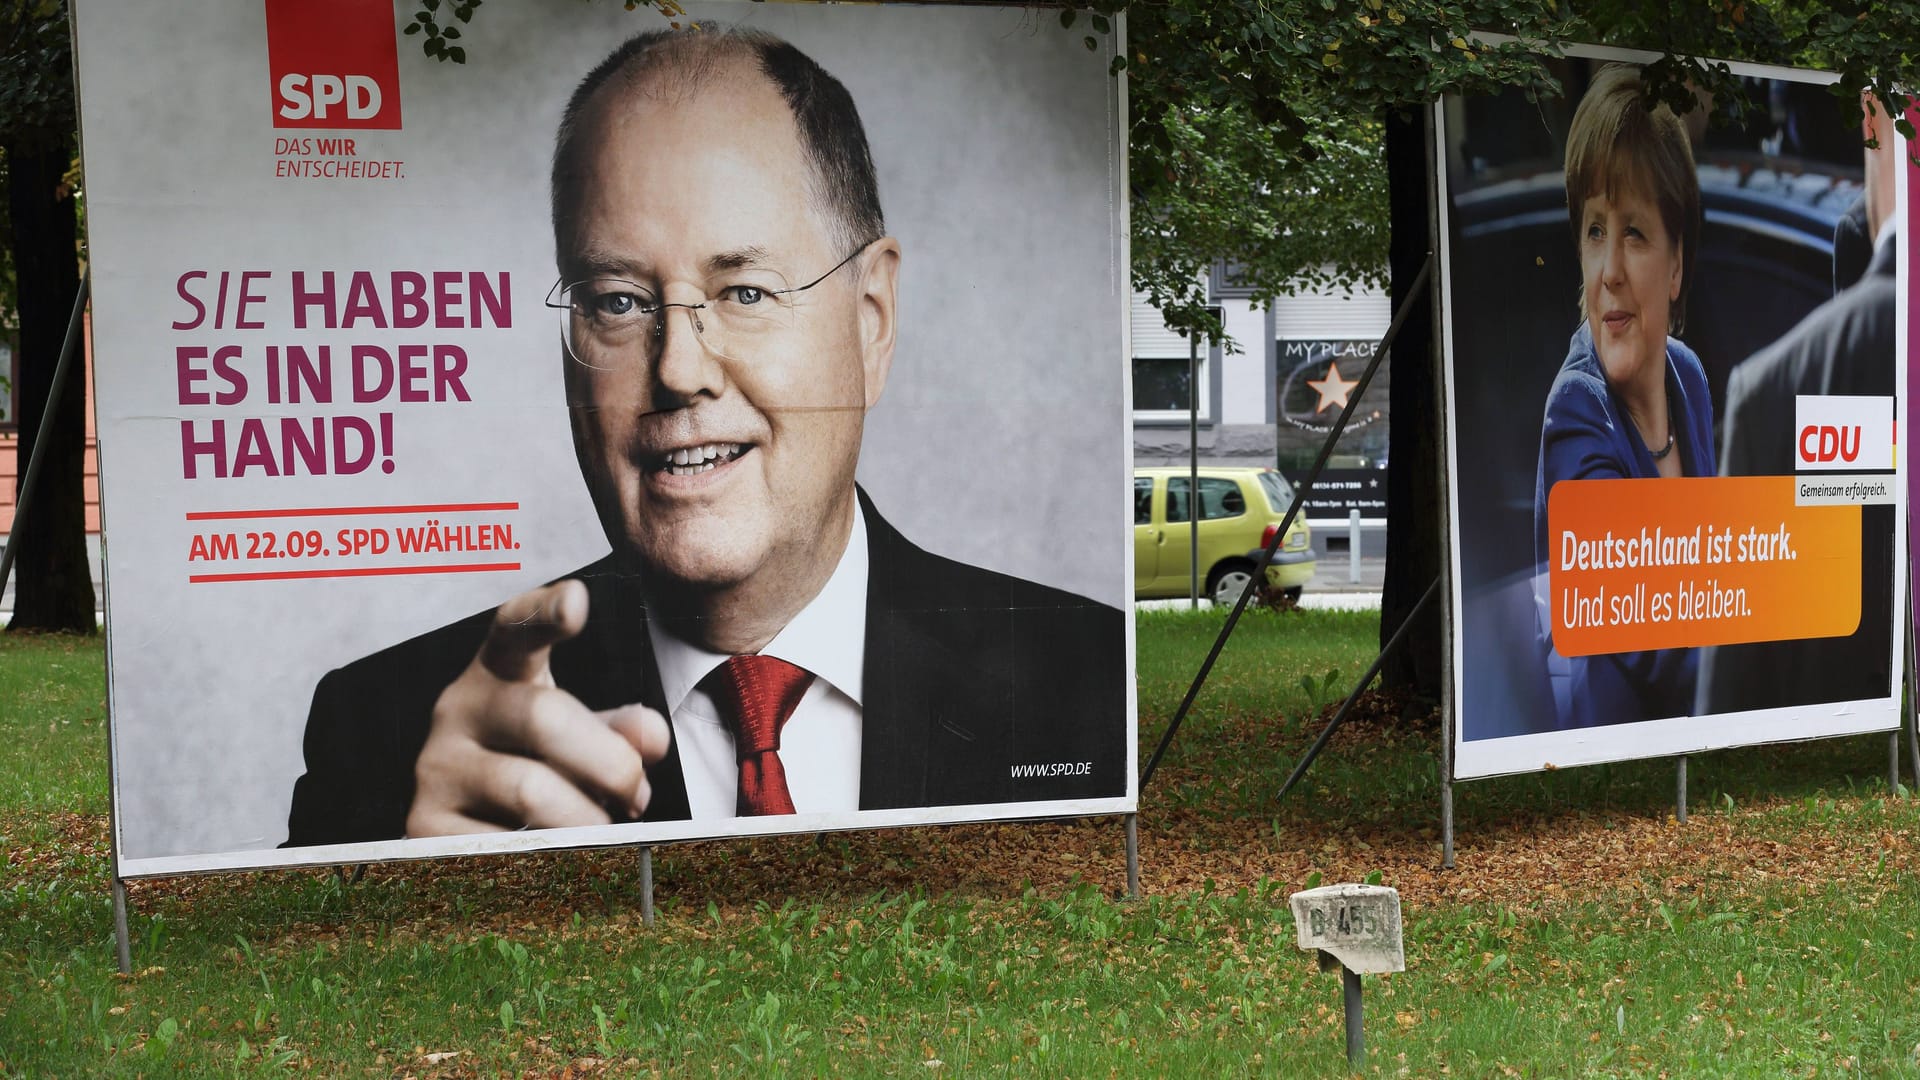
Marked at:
<point>1332,586</point>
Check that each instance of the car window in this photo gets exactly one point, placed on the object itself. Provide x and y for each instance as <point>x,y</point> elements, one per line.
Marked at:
<point>1279,493</point>
<point>1219,498</point>
<point>1143,500</point>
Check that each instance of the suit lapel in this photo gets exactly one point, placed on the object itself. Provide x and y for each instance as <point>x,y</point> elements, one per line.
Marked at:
<point>611,664</point>
<point>926,697</point>
<point>894,697</point>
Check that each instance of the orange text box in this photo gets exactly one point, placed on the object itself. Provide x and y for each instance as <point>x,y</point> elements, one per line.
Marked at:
<point>1663,564</point>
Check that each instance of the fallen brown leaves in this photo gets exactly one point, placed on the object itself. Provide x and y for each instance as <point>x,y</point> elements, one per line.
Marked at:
<point>1528,862</point>
<point>1527,865</point>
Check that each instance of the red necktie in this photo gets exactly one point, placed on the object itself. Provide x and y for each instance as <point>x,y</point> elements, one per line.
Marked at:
<point>756,694</point>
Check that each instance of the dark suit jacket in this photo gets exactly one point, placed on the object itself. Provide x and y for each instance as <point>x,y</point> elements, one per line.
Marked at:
<point>968,674</point>
<point>1586,435</point>
<point>1844,346</point>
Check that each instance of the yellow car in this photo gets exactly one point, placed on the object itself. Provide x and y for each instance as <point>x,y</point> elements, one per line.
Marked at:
<point>1240,510</point>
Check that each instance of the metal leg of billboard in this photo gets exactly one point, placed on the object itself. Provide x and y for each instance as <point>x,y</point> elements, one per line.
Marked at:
<point>1300,493</point>
<point>122,947</point>
<point>646,885</point>
<point>1913,707</point>
<point>1680,789</point>
<point>25,494</point>
<point>1133,856</point>
<point>1340,714</point>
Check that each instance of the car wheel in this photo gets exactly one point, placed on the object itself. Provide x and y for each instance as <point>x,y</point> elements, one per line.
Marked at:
<point>1229,582</point>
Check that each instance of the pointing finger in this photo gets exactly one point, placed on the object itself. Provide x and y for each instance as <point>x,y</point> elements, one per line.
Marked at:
<point>528,625</point>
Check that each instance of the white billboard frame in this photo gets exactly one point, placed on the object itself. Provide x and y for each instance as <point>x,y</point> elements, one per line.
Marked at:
<point>93,54</point>
<point>1679,735</point>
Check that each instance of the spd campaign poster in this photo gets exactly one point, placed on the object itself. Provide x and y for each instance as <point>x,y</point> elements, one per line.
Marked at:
<point>1671,361</point>
<point>631,434</point>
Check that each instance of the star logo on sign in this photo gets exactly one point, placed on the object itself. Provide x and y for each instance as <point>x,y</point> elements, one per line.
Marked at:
<point>1333,389</point>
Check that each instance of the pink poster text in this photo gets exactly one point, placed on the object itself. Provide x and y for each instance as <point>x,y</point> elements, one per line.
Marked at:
<point>243,374</point>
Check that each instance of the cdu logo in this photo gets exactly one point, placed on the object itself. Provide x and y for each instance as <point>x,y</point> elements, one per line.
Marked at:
<point>1832,432</point>
<point>335,63</point>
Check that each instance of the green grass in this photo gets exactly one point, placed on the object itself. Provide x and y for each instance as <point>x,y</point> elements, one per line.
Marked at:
<point>1772,936</point>
<point>53,733</point>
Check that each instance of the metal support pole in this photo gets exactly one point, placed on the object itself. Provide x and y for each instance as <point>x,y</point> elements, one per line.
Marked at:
<point>28,482</point>
<point>1893,762</point>
<point>646,886</point>
<point>1442,483</point>
<point>1133,856</point>
<point>1353,547</point>
<point>1300,491</point>
<point>1913,741</point>
<point>122,946</point>
<point>1193,469</point>
<point>1680,789</point>
<point>1912,718</point>
<point>1446,788</point>
<point>1340,714</point>
<point>1356,1035</point>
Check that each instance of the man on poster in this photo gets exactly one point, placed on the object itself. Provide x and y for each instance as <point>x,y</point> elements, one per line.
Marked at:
<point>1845,347</point>
<point>760,640</point>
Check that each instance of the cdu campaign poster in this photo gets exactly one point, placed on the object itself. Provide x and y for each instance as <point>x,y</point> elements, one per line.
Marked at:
<point>644,430</point>
<point>1671,375</point>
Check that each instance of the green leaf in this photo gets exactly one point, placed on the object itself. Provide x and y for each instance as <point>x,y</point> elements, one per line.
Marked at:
<point>1066,18</point>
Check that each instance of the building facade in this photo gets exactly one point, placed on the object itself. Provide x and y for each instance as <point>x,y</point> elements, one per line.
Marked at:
<point>1274,398</point>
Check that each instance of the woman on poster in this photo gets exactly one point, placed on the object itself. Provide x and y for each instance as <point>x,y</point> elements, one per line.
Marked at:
<point>1631,400</point>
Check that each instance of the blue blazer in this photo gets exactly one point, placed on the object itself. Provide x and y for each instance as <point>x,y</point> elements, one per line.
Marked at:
<point>1586,435</point>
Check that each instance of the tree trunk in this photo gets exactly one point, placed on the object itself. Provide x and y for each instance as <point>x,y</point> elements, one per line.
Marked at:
<point>1413,447</point>
<point>52,587</point>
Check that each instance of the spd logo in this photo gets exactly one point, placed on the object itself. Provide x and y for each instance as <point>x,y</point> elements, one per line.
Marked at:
<point>335,63</point>
<point>1833,432</point>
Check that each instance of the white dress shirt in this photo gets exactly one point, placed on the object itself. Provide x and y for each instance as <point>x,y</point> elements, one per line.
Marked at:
<point>820,744</point>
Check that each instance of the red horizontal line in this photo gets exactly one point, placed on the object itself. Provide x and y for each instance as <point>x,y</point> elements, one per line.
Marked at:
<point>342,511</point>
<point>356,571</point>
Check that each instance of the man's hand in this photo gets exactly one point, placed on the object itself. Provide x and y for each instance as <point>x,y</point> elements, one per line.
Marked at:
<point>509,749</point>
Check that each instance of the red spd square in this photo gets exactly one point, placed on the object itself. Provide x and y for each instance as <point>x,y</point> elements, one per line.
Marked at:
<point>335,63</point>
